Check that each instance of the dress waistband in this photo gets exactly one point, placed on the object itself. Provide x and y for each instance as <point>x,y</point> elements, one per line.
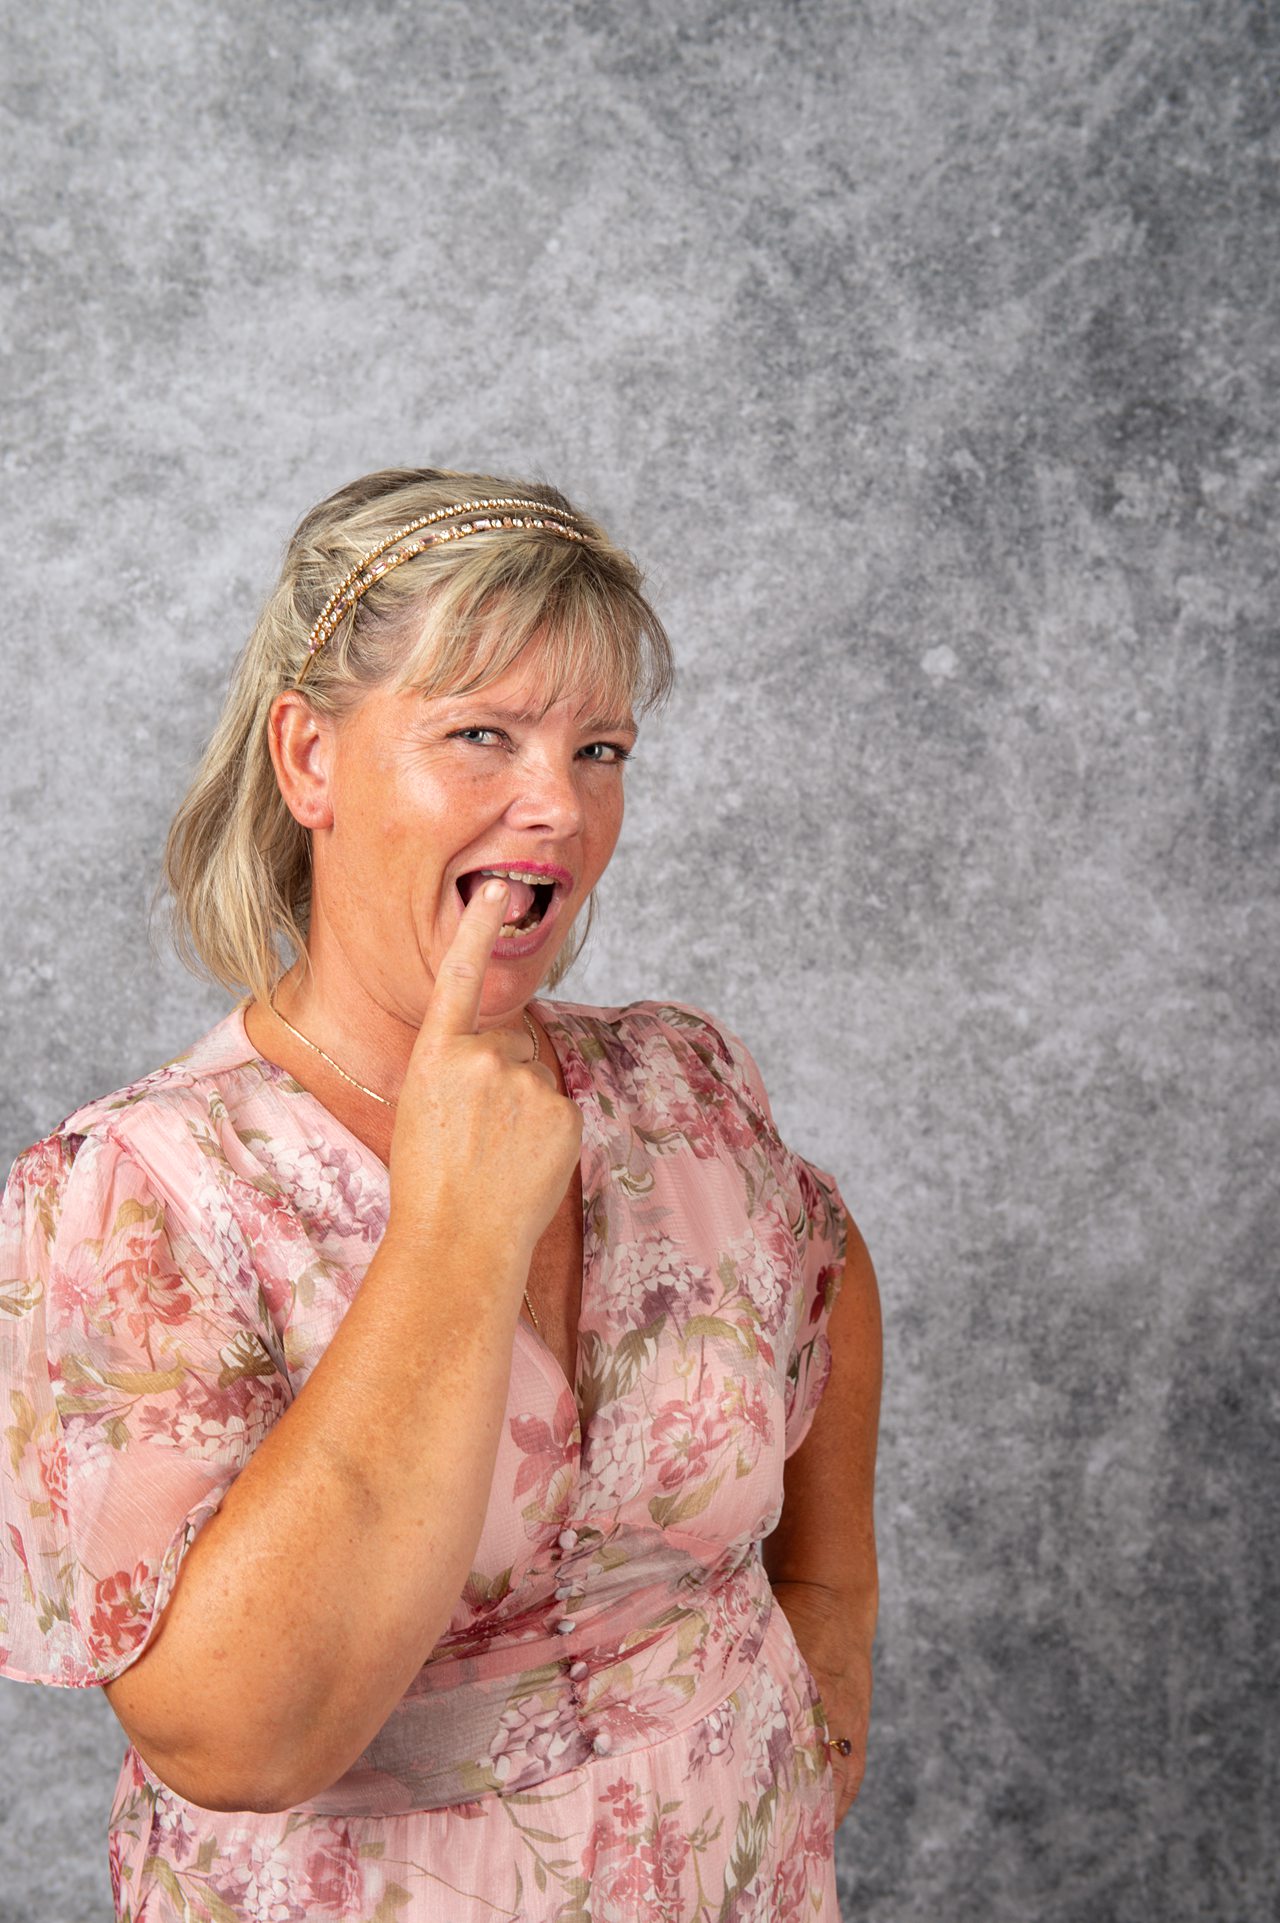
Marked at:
<point>489,1721</point>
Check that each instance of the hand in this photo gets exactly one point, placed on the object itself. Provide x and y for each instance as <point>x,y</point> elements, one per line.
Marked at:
<point>483,1138</point>
<point>842,1675</point>
<point>847,1715</point>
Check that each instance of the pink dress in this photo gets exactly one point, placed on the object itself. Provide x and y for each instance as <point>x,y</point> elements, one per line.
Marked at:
<point>617,1723</point>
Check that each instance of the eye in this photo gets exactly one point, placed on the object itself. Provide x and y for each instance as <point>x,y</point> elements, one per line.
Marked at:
<point>612,752</point>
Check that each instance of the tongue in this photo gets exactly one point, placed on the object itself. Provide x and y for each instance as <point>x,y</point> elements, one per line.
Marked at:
<point>521,894</point>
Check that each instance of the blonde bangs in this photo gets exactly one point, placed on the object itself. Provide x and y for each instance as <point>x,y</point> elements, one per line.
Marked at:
<point>580,638</point>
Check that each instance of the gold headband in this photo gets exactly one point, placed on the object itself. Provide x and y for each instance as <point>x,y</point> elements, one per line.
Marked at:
<point>380,560</point>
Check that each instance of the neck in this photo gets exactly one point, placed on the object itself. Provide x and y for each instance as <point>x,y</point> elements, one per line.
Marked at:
<point>350,1029</point>
<point>370,1042</point>
<point>359,1018</point>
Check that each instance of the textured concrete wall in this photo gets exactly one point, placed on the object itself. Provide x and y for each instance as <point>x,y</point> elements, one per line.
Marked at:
<point>928,357</point>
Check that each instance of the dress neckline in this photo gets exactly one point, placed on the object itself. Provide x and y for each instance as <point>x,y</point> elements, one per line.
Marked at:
<point>551,1018</point>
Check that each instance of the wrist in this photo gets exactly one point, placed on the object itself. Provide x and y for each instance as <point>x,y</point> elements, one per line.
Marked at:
<point>481,1258</point>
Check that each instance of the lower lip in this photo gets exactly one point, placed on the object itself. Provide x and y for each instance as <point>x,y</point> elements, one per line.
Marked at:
<point>514,948</point>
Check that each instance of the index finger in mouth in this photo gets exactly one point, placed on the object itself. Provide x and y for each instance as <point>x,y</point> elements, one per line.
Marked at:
<point>454,1007</point>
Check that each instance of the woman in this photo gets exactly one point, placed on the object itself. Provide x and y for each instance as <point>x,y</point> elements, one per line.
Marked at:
<point>402,1379</point>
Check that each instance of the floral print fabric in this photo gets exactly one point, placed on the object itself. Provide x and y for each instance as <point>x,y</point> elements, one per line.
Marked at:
<point>617,1723</point>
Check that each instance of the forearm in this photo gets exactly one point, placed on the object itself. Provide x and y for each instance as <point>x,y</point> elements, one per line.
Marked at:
<point>821,1558</point>
<point>308,1603</point>
<point>836,1628</point>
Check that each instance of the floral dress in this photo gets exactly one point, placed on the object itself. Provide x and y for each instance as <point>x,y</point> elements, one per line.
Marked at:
<point>617,1723</point>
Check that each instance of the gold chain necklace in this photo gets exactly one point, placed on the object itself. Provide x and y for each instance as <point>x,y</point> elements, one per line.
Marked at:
<point>386,1100</point>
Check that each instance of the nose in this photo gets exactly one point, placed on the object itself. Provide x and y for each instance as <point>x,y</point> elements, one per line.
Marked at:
<point>548,795</point>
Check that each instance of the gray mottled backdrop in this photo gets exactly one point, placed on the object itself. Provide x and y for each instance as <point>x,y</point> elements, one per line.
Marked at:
<point>928,358</point>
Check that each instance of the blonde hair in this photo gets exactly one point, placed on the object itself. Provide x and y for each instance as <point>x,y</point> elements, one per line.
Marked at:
<point>237,865</point>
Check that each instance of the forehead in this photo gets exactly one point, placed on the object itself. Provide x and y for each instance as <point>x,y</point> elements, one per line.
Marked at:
<point>525,695</point>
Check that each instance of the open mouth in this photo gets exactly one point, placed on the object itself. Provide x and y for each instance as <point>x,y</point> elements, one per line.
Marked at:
<point>530,899</point>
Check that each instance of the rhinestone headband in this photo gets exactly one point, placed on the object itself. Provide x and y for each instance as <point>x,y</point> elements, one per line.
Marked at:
<point>415,537</point>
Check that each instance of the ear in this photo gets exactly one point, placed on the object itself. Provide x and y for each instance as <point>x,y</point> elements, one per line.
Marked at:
<point>301,743</point>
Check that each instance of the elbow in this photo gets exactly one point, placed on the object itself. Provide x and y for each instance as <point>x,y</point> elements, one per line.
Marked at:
<point>244,1795</point>
<point>235,1785</point>
<point>230,1765</point>
<point>206,1787</point>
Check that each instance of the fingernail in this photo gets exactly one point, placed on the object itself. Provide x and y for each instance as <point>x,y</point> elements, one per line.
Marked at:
<point>494,890</point>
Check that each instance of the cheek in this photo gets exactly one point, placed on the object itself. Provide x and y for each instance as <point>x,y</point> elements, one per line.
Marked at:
<point>610,825</point>
<point>413,810</point>
<point>603,806</point>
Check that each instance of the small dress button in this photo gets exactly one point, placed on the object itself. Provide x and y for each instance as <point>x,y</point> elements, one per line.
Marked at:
<point>602,1743</point>
<point>577,1671</point>
<point>568,1539</point>
<point>564,1589</point>
<point>565,1626</point>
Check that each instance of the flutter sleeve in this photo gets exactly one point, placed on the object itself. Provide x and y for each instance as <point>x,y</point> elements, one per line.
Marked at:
<point>134,1385</point>
<point>816,1214</point>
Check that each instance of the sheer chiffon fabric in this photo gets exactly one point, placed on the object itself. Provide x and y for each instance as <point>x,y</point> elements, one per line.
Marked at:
<point>617,1723</point>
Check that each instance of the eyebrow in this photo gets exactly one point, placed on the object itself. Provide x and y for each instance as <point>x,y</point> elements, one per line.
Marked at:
<point>529,714</point>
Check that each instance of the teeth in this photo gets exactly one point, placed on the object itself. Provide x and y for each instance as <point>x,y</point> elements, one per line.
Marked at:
<point>511,929</point>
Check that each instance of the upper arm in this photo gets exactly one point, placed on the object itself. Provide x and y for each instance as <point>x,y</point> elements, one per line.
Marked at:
<point>826,1533</point>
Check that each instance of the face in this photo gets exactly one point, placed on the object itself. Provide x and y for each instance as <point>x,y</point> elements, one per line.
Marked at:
<point>421,795</point>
